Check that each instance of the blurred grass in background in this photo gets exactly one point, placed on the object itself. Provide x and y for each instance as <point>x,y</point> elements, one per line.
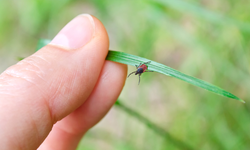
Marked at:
<point>208,39</point>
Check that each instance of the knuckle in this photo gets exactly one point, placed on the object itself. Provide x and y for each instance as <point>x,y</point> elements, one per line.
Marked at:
<point>25,73</point>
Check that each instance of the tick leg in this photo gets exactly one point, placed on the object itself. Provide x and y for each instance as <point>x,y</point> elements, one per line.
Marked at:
<point>138,66</point>
<point>131,73</point>
<point>149,71</point>
<point>147,62</point>
<point>139,79</point>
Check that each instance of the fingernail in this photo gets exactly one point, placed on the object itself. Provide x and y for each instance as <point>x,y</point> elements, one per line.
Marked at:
<point>76,33</point>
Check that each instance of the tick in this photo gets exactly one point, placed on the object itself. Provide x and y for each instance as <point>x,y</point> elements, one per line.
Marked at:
<point>141,68</point>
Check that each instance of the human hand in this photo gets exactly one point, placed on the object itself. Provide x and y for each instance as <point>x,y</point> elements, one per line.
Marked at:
<point>61,91</point>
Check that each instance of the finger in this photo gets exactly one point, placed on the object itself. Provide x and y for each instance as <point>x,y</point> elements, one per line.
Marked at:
<point>70,130</point>
<point>50,84</point>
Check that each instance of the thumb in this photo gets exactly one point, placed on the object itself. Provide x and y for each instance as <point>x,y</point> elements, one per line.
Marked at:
<point>47,86</point>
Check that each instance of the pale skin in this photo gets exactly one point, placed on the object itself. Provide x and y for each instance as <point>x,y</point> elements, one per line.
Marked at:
<point>52,98</point>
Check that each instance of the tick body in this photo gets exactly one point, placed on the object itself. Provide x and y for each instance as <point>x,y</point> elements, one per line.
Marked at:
<point>141,68</point>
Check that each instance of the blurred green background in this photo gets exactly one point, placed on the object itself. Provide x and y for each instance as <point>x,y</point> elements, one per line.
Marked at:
<point>207,39</point>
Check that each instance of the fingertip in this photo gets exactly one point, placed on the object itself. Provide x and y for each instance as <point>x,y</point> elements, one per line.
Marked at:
<point>52,83</point>
<point>104,95</point>
<point>118,70</point>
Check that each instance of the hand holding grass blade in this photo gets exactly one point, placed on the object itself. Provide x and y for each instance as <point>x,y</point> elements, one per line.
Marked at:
<point>133,60</point>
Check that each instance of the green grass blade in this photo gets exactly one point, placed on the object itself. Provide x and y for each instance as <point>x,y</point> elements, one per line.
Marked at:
<point>41,43</point>
<point>133,60</point>
<point>158,130</point>
<point>157,67</point>
<point>201,12</point>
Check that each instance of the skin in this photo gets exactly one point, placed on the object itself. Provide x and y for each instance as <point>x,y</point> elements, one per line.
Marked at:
<point>52,98</point>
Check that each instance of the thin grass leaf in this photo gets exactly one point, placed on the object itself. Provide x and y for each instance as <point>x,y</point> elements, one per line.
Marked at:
<point>41,43</point>
<point>201,12</point>
<point>133,60</point>
<point>157,67</point>
<point>158,130</point>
